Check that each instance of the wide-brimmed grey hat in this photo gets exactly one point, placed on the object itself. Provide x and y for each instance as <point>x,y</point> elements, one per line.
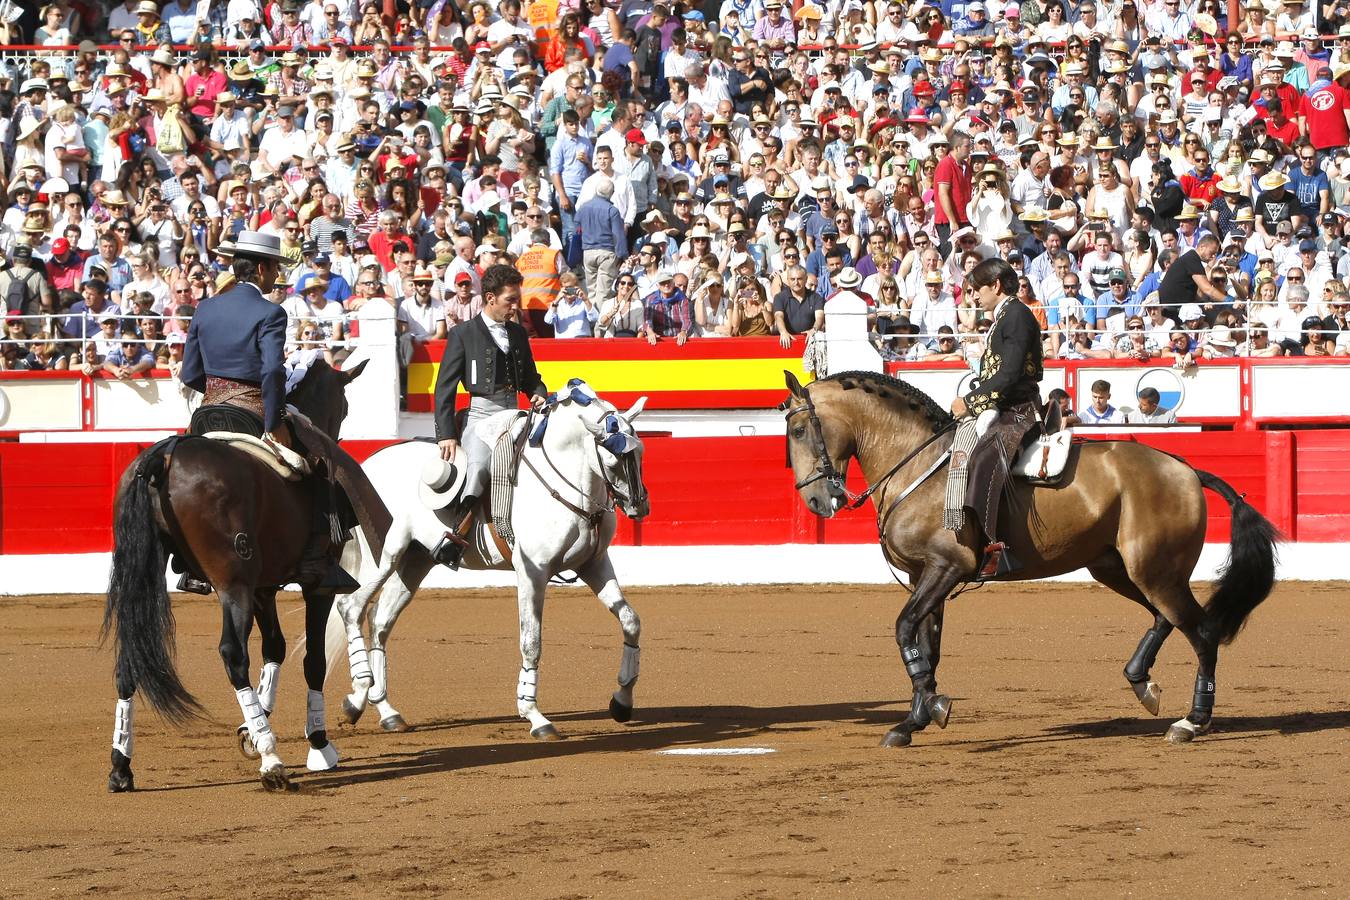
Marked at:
<point>255,245</point>
<point>442,480</point>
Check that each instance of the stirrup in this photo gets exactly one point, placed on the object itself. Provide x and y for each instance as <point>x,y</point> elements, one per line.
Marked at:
<point>193,585</point>
<point>998,560</point>
<point>450,551</point>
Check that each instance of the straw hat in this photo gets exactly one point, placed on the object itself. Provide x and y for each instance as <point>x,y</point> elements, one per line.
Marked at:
<point>113,198</point>
<point>1188,213</point>
<point>1230,186</point>
<point>1273,181</point>
<point>442,480</point>
<point>164,56</point>
<point>848,278</point>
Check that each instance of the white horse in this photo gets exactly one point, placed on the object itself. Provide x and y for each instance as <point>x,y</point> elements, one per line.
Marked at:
<point>589,460</point>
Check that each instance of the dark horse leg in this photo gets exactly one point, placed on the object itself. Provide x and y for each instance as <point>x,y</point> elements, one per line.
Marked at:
<point>322,754</point>
<point>236,603</point>
<point>1114,576</point>
<point>120,779</point>
<point>274,654</point>
<point>1200,632</point>
<point>931,591</point>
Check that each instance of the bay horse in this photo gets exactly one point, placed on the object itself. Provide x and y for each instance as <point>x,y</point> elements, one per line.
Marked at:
<point>244,527</point>
<point>563,518</point>
<point>1104,515</point>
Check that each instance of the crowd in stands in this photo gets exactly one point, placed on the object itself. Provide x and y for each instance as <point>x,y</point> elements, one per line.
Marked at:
<point>1170,185</point>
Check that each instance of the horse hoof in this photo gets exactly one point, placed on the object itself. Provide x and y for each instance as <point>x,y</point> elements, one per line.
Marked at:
<point>322,759</point>
<point>352,713</point>
<point>546,733</point>
<point>896,737</point>
<point>395,723</point>
<point>620,712</point>
<point>121,782</point>
<point>1150,695</point>
<point>274,779</point>
<point>246,743</point>
<point>940,708</point>
<point>1184,731</point>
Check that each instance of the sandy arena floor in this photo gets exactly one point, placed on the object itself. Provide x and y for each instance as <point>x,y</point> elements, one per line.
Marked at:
<point>1050,778</point>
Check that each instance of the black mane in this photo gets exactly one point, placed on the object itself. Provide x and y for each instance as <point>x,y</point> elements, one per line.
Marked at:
<point>890,388</point>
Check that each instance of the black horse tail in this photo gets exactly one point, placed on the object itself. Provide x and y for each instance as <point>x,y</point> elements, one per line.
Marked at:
<point>138,613</point>
<point>1248,576</point>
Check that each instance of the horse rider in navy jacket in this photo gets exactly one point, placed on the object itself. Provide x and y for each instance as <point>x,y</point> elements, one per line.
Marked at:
<point>235,355</point>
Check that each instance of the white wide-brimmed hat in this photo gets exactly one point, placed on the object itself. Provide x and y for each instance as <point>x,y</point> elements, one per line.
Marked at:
<point>255,245</point>
<point>848,278</point>
<point>443,480</point>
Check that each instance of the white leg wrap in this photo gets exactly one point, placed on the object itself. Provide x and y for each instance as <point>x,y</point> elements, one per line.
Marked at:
<point>122,733</point>
<point>314,713</point>
<point>358,659</point>
<point>628,668</point>
<point>258,727</point>
<point>378,676</point>
<point>267,686</point>
<point>527,688</point>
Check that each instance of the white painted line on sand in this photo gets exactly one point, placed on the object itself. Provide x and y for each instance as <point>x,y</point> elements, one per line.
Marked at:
<point>716,751</point>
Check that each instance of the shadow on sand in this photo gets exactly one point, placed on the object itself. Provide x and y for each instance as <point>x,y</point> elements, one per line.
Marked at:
<point>660,728</point>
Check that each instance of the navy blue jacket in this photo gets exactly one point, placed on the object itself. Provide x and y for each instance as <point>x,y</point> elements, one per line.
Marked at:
<point>241,335</point>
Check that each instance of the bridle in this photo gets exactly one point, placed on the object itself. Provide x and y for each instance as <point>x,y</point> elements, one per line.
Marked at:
<point>613,495</point>
<point>825,468</point>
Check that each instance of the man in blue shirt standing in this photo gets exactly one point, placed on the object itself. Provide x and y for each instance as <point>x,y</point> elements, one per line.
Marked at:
<point>570,164</point>
<point>603,242</point>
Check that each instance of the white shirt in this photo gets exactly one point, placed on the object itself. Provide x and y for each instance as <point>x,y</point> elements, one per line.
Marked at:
<point>1112,416</point>
<point>622,199</point>
<point>498,332</point>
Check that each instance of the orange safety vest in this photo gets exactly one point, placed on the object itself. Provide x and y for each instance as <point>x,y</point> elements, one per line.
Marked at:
<point>539,267</point>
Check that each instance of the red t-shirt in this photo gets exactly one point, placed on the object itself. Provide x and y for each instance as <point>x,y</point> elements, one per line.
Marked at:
<point>1286,134</point>
<point>948,171</point>
<point>1325,112</point>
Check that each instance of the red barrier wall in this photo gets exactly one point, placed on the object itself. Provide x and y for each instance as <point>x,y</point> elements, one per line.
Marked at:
<point>57,498</point>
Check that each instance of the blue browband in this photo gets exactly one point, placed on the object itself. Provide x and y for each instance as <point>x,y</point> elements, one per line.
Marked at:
<point>578,391</point>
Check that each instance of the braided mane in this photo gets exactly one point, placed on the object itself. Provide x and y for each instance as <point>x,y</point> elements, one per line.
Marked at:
<point>890,388</point>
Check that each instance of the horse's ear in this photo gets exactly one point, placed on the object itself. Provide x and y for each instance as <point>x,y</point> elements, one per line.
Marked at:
<point>794,385</point>
<point>636,409</point>
<point>349,375</point>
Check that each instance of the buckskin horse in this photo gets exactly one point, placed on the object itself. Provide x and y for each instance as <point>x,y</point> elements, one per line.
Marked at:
<point>244,527</point>
<point>1103,516</point>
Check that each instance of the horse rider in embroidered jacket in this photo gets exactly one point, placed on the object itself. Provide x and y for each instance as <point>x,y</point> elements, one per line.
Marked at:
<point>490,355</point>
<point>234,355</point>
<point>1009,374</point>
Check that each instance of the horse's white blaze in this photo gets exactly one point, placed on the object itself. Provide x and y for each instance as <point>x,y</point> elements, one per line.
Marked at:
<point>259,729</point>
<point>123,734</point>
<point>267,685</point>
<point>716,751</point>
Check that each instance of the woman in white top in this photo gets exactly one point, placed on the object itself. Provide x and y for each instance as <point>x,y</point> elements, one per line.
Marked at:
<point>989,210</point>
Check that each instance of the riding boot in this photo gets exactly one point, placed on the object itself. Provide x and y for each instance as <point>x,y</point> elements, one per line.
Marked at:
<point>450,551</point>
<point>998,560</point>
<point>319,565</point>
<point>190,582</point>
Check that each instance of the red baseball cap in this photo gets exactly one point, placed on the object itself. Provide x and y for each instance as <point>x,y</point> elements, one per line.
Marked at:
<point>463,278</point>
<point>635,136</point>
<point>60,246</point>
<point>924,88</point>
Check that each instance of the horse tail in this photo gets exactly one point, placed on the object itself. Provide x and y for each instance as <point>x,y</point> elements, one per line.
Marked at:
<point>138,613</point>
<point>1249,574</point>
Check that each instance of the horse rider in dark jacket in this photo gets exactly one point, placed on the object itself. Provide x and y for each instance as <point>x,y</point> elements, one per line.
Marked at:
<point>490,355</point>
<point>235,355</point>
<point>1007,387</point>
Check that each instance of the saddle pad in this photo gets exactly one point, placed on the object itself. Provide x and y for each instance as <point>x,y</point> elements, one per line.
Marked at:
<point>289,464</point>
<point>1044,460</point>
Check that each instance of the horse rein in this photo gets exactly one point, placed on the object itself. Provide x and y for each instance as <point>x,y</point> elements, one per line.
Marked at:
<point>825,466</point>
